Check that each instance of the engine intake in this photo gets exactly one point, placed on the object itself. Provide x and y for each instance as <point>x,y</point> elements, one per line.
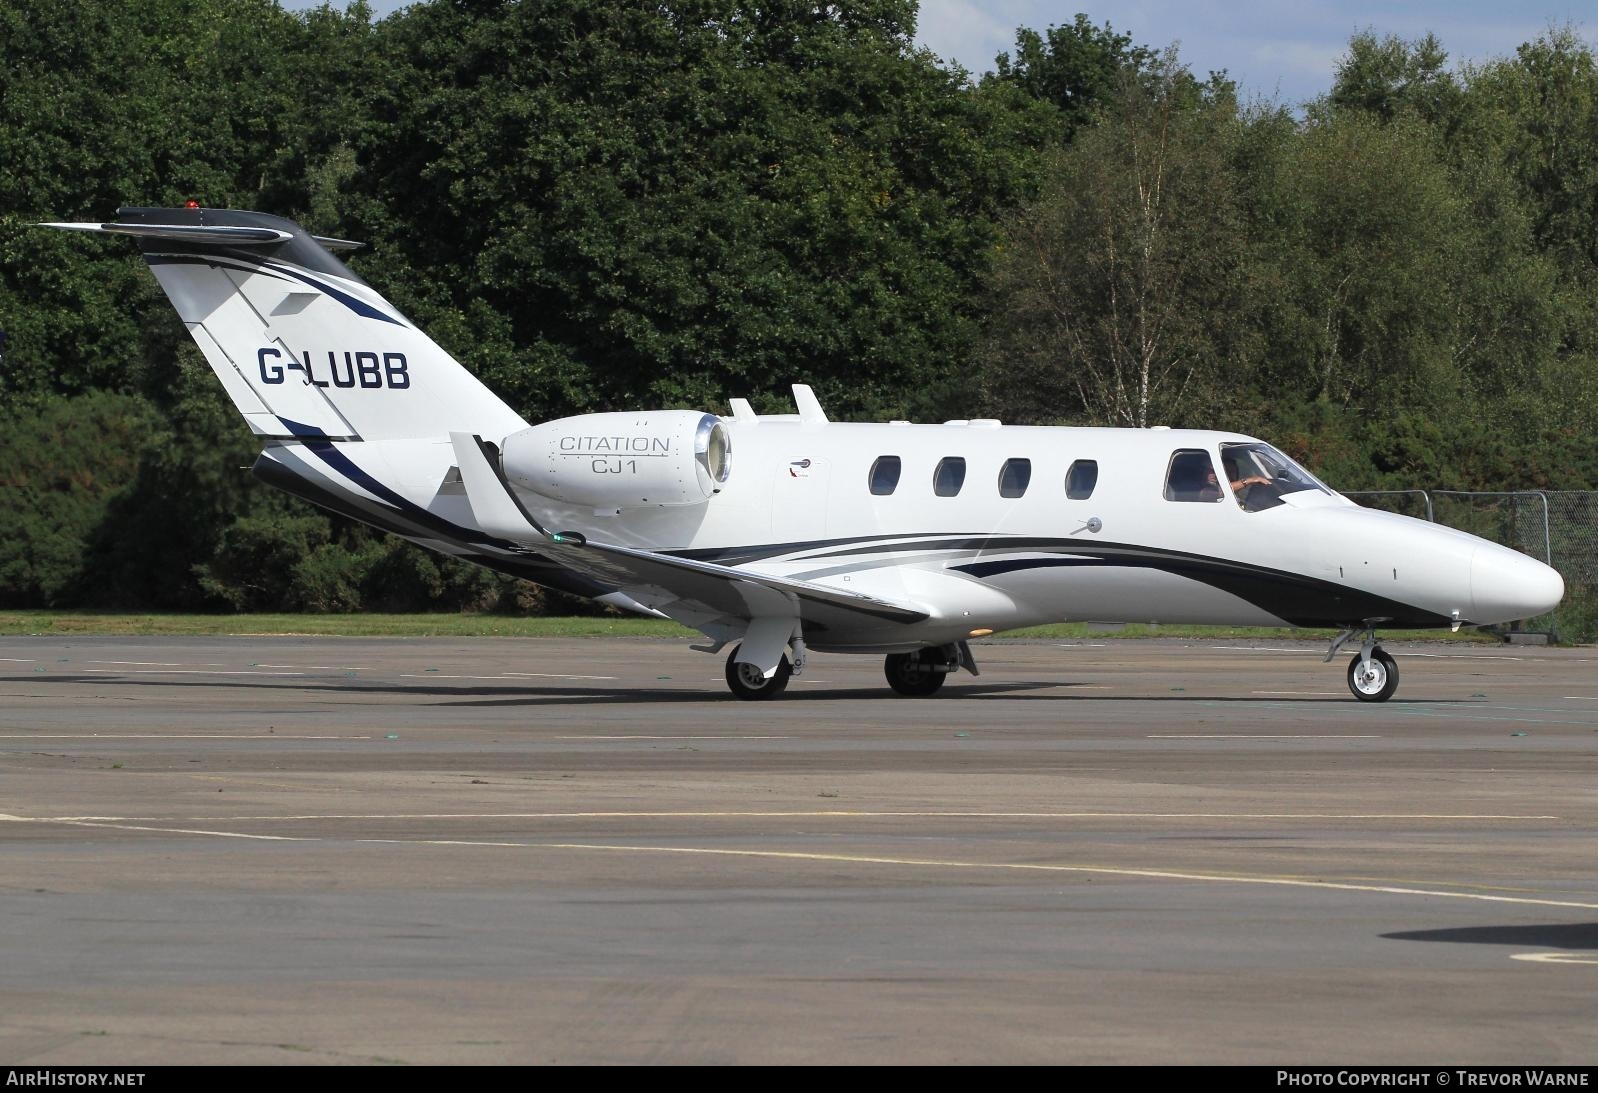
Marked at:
<point>657,457</point>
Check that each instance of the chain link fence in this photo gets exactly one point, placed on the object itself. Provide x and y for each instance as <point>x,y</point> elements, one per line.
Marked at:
<point>1559,527</point>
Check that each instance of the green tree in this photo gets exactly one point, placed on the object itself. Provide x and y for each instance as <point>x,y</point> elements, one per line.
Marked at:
<point>1077,68</point>
<point>612,205</point>
<point>61,463</point>
<point>1517,139</point>
<point>148,102</point>
<point>1404,279</point>
<point>1366,229</point>
<point>1388,76</point>
<point>145,102</point>
<point>1537,114</point>
<point>1118,289</point>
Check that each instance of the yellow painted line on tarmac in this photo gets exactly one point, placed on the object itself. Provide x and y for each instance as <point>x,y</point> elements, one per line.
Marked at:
<point>1023,867</point>
<point>168,736</point>
<point>845,814</point>
<point>1262,736</point>
<point>1318,694</point>
<point>164,830</point>
<point>865,859</point>
<point>503,677</point>
<point>1458,656</point>
<point>325,667</point>
<point>173,672</point>
<point>668,736</point>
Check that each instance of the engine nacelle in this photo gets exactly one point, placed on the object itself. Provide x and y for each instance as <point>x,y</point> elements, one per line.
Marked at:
<point>656,457</point>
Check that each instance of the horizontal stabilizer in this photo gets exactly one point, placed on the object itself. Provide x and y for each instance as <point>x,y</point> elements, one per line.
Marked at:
<point>188,233</point>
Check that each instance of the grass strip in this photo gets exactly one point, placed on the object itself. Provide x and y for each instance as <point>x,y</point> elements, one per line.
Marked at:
<point>111,624</point>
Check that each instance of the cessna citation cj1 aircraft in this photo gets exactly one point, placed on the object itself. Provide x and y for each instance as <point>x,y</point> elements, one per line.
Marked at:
<point>783,535</point>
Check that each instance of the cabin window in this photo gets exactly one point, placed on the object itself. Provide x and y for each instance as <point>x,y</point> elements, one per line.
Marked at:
<point>1014,477</point>
<point>1081,478</point>
<point>885,475</point>
<point>949,477</point>
<point>1191,477</point>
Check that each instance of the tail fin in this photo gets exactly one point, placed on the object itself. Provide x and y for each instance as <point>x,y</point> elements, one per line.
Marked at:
<point>303,346</point>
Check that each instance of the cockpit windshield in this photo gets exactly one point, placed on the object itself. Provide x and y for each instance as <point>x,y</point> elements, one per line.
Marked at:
<point>1261,476</point>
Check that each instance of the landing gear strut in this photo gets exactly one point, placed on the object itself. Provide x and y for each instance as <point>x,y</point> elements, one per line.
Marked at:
<point>922,672</point>
<point>1373,673</point>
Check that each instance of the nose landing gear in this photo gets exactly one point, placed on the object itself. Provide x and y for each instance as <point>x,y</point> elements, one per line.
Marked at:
<point>1373,673</point>
<point>1374,679</point>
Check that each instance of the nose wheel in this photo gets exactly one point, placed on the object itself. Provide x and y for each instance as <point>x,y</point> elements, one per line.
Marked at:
<point>1373,673</point>
<point>1373,678</point>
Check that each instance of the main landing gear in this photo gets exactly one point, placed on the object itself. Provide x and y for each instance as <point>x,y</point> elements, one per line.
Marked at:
<point>922,672</point>
<point>1373,673</point>
<point>749,682</point>
<point>918,674</point>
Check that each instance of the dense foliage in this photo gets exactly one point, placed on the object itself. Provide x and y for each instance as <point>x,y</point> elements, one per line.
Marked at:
<point>596,204</point>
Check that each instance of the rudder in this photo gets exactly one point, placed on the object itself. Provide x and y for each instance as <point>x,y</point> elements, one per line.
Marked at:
<point>303,346</point>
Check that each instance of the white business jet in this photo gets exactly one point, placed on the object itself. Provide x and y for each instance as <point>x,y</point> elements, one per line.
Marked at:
<point>788,534</point>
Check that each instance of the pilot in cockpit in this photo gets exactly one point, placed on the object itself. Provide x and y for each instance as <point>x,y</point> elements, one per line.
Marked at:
<point>1239,480</point>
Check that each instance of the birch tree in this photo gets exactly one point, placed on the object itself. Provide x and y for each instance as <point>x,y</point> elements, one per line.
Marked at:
<point>1117,291</point>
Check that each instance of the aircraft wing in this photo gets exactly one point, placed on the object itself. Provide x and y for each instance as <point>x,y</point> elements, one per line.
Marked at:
<point>701,594</point>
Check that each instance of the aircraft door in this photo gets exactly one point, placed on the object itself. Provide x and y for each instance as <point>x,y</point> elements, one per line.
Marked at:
<point>799,499</point>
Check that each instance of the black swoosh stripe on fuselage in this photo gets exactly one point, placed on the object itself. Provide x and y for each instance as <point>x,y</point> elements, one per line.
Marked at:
<point>1296,598</point>
<point>759,552</point>
<point>1292,597</point>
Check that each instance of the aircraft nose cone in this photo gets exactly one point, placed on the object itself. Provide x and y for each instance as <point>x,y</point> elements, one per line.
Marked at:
<point>1506,585</point>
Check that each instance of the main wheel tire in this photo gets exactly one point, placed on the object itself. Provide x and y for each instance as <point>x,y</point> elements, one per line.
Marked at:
<point>1377,684</point>
<point>913,674</point>
<point>750,683</point>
